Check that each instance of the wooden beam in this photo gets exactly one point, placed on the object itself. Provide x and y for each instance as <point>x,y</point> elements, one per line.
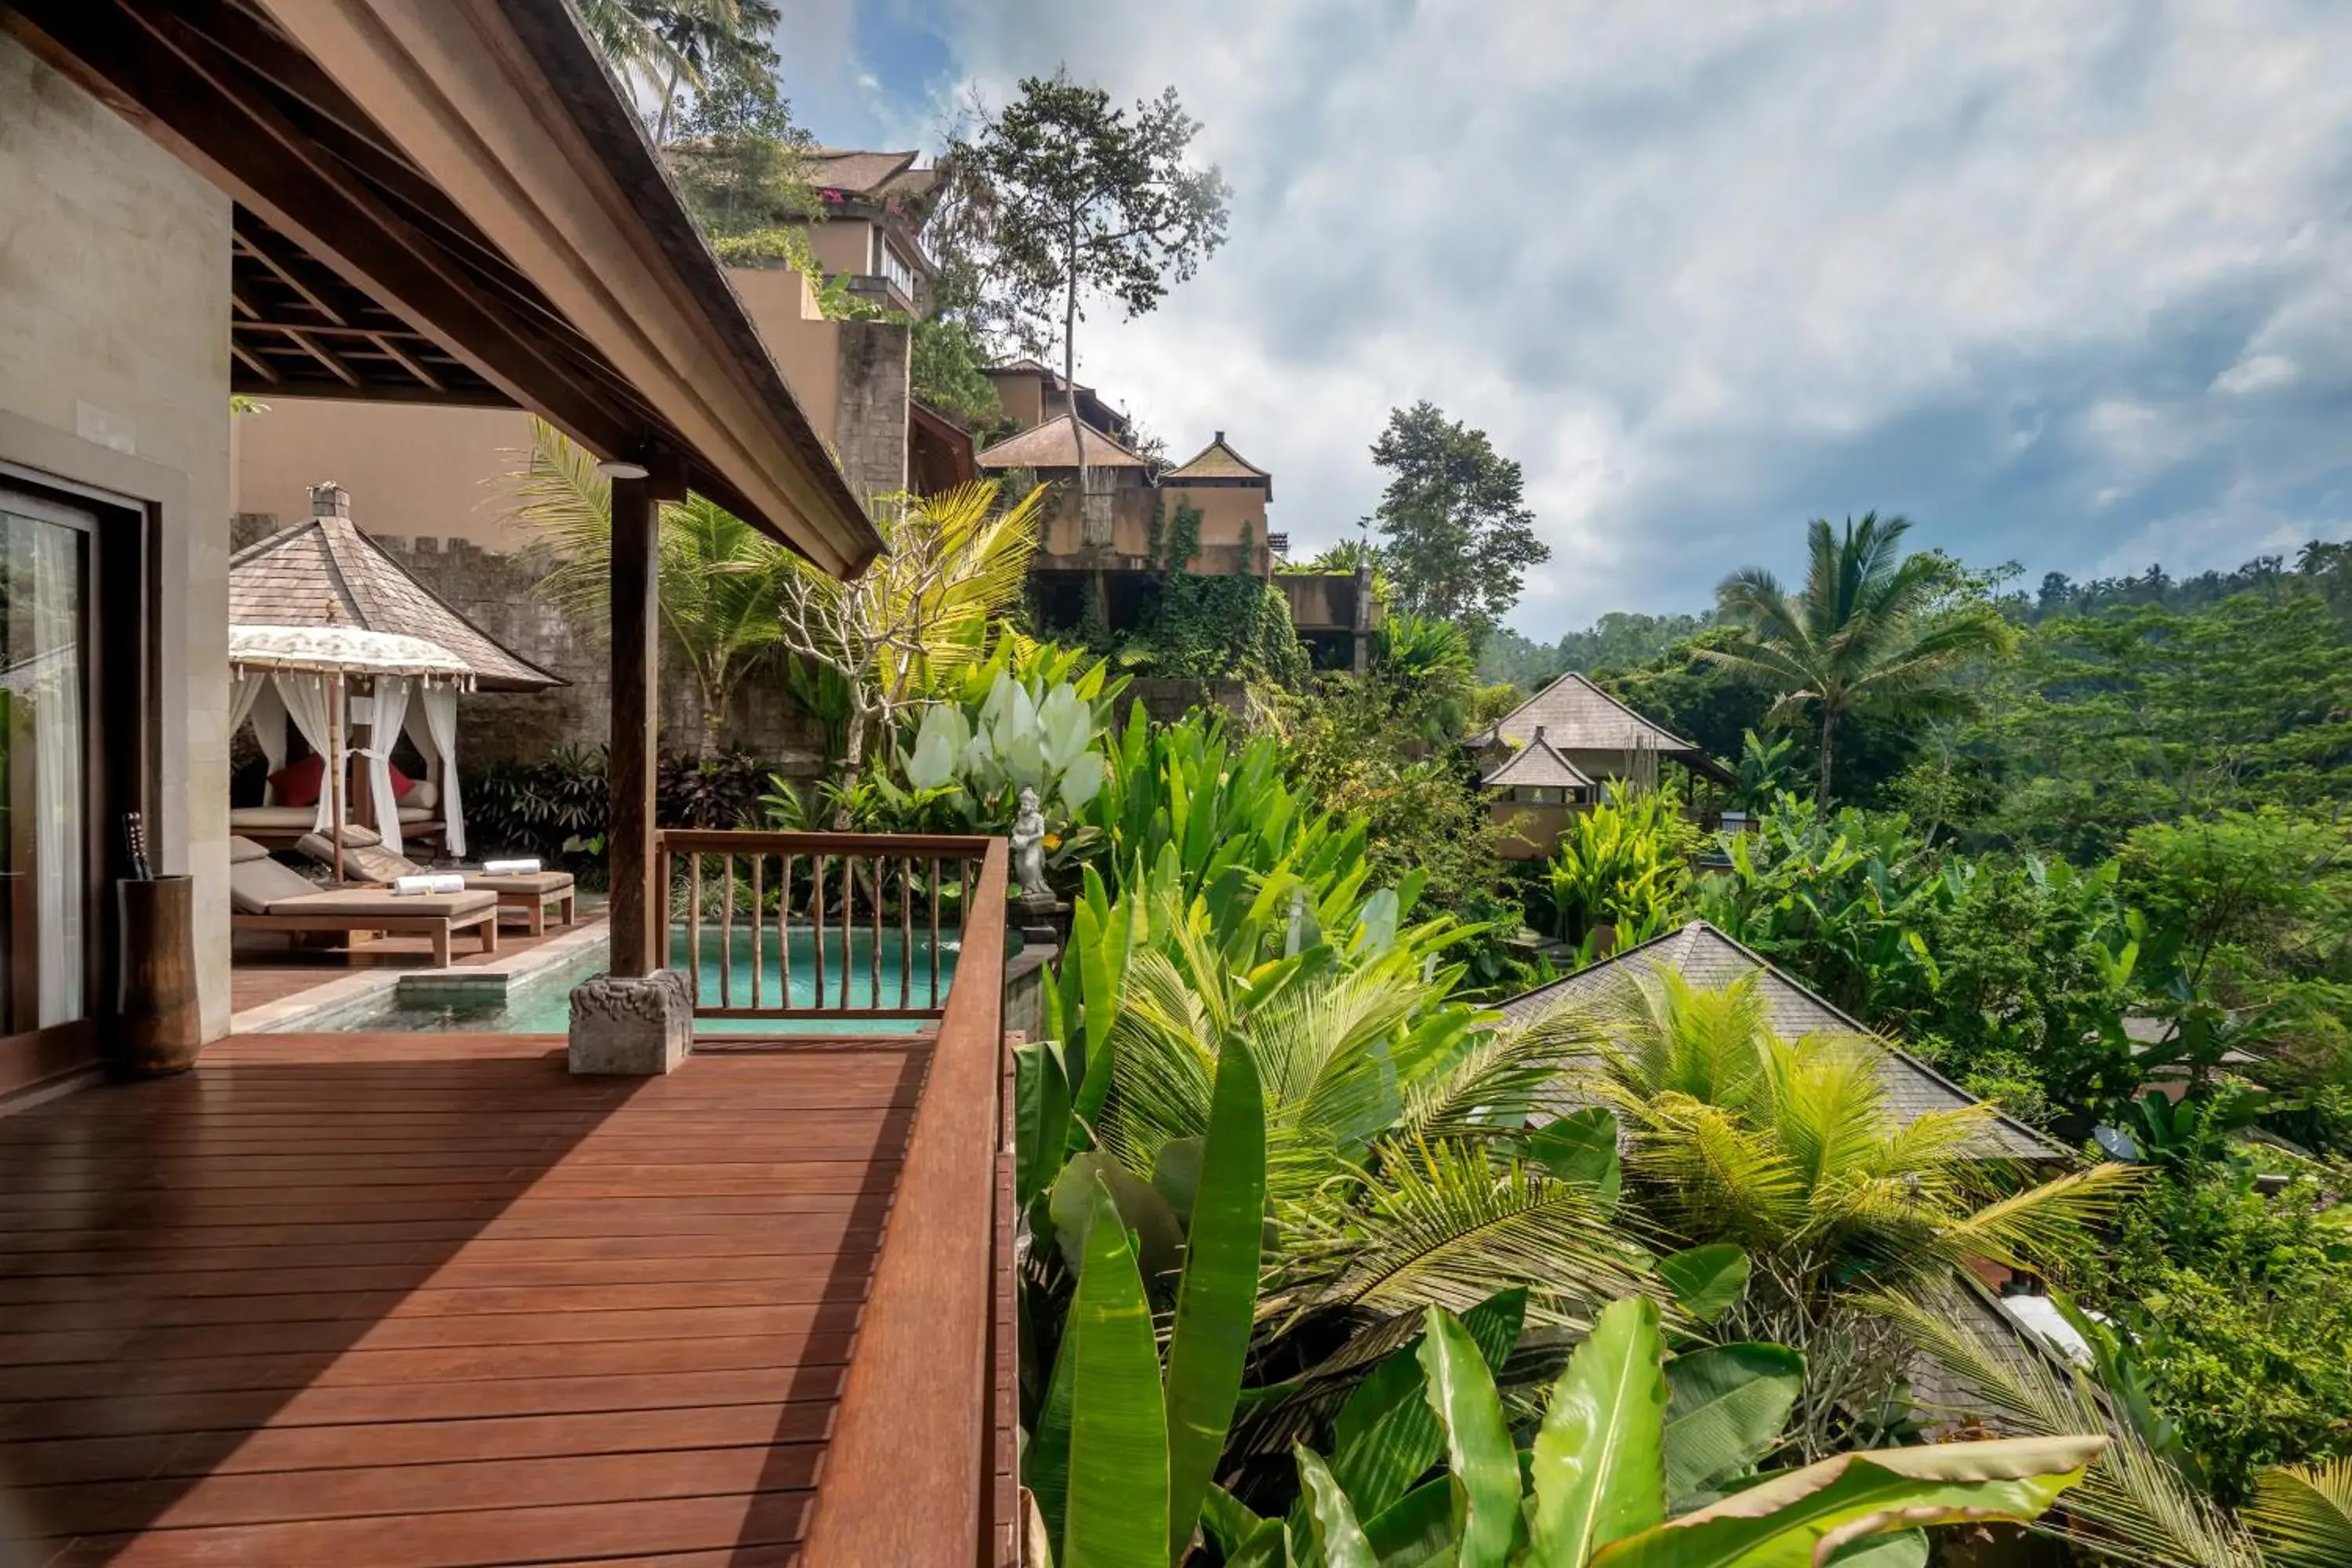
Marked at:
<point>199,105</point>
<point>636,717</point>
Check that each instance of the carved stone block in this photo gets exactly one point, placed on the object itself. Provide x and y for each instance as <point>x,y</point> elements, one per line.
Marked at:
<point>639,1027</point>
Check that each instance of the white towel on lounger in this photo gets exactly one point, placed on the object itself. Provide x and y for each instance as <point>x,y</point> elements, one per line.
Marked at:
<point>520,867</point>
<point>408,885</point>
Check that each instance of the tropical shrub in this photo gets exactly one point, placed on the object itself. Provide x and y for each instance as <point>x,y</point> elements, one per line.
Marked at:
<point>1624,864</point>
<point>1621,1470</point>
<point>1789,1151</point>
<point>556,807</point>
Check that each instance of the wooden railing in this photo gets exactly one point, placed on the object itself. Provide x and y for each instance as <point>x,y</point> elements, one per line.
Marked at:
<point>908,1477</point>
<point>802,903</point>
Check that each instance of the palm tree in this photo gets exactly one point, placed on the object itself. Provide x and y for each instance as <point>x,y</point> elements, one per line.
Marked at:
<point>1869,633</point>
<point>720,583</point>
<point>730,596</point>
<point>1789,1149</point>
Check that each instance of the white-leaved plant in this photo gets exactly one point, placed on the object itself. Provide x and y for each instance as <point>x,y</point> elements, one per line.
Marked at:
<point>1020,741</point>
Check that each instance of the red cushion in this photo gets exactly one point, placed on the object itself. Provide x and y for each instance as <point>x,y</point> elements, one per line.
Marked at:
<point>401,782</point>
<point>297,784</point>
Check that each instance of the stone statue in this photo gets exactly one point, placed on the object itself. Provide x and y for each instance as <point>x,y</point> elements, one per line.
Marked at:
<point>1028,844</point>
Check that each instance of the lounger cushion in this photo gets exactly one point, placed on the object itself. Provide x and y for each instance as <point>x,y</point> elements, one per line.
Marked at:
<point>244,850</point>
<point>409,814</point>
<point>273,819</point>
<point>541,882</point>
<point>254,885</point>
<point>423,793</point>
<point>367,861</point>
<point>342,903</point>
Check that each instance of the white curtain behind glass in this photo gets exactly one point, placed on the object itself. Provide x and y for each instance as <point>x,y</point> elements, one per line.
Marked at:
<point>384,730</point>
<point>306,704</point>
<point>49,559</point>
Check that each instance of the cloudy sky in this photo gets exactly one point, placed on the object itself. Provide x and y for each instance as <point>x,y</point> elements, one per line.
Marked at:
<point>2067,281</point>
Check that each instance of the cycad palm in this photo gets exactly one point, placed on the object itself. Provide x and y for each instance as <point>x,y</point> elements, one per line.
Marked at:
<point>1789,1149</point>
<point>1865,634</point>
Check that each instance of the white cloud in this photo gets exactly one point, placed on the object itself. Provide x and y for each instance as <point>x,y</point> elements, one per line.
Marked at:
<point>1706,269</point>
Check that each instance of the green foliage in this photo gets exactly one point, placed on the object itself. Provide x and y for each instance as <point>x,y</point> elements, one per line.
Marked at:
<point>1082,199</point>
<point>1596,1482</point>
<point>1020,736</point>
<point>1457,536</point>
<point>1625,863</point>
<point>2242,1307</point>
<point>556,807</point>
<point>1872,630</point>
<point>945,361</point>
<point>2303,1516</point>
<point>1204,627</point>
<point>1616,641</point>
<point>721,791</point>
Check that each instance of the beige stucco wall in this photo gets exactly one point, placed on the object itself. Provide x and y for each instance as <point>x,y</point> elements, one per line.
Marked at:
<point>844,245</point>
<point>433,473</point>
<point>114,369</point>
<point>806,347</point>
<point>1224,510</point>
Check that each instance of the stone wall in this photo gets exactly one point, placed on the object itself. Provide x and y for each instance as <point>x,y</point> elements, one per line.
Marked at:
<point>501,593</point>
<point>871,411</point>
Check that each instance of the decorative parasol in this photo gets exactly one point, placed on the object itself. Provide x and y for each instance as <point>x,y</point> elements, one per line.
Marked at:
<point>343,651</point>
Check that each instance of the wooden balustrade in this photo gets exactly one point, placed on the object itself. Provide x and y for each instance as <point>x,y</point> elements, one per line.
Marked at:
<point>827,894</point>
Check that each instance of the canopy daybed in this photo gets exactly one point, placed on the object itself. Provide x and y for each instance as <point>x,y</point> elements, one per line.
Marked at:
<point>326,576</point>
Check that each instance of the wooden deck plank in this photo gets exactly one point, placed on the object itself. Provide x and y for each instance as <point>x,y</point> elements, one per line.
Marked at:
<point>431,1302</point>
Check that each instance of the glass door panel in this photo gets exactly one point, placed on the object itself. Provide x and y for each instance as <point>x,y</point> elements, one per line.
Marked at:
<point>45,838</point>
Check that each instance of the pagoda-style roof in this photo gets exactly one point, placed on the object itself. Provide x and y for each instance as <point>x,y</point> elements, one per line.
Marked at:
<point>1578,716</point>
<point>1705,957</point>
<point>873,175</point>
<point>326,572</point>
<point>1218,461</point>
<point>1537,766</point>
<point>1049,446</point>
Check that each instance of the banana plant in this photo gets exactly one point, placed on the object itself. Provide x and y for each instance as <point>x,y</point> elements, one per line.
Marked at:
<point>1123,1456</point>
<point>1622,1470</point>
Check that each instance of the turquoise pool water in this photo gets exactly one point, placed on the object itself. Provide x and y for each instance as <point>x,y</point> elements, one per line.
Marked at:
<point>542,1005</point>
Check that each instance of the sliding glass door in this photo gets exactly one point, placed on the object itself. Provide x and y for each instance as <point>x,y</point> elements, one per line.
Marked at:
<point>46,831</point>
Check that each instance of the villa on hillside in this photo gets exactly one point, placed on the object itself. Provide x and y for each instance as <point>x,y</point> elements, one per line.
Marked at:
<point>1556,753</point>
<point>1117,516</point>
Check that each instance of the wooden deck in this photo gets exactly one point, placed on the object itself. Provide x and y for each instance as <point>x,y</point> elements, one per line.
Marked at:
<point>429,1301</point>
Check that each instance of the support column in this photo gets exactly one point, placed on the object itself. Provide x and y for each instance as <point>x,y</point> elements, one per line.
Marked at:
<point>637,718</point>
<point>638,1019</point>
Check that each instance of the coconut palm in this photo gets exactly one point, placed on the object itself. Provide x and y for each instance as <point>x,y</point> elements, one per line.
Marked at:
<point>1868,634</point>
<point>2303,1515</point>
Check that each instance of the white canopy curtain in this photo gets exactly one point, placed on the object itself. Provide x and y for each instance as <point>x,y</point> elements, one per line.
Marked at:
<point>437,707</point>
<point>253,697</point>
<point>383,728</point>
<point>304,693</point>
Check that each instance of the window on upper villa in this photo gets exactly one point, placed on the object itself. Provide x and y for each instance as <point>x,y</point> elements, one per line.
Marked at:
<point>898,271</point>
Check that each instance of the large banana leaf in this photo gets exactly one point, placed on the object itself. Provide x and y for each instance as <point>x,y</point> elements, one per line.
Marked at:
<point>1486,1468</point>
<point>1800,1519</point>
<point>1599,1470</point>
<point>1045,1459</point>
<point>1217,1298</point>
<point>1338,1540</point>
<point>1386,1436</point>
<point>1725,1411</point>
<point>1416,1530</point>
<point>1040,1131</point>
<point>1117,1500</point>
<point>2303,1517</point>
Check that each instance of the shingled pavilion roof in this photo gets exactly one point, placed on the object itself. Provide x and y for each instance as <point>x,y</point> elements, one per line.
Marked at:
<point>1537,766</point>
<point>1048,445</point>
<point>325,572</point>
<point>1705,957</point>
<point>1217,460</point>
<point>1580,717</point>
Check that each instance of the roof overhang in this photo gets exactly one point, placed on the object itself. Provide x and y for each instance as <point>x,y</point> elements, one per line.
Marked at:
<point>449,201</point>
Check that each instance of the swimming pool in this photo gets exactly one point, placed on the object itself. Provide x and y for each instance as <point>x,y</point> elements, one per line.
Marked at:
<point>542,1003</point>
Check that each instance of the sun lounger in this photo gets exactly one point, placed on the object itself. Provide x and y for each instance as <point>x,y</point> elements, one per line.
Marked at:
<point>266,896</point>
<point>531,894</point>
